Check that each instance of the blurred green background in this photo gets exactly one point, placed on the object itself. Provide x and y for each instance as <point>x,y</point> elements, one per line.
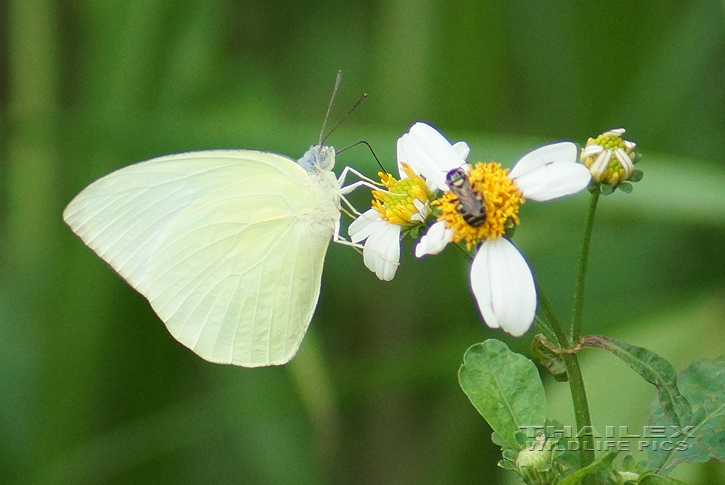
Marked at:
<point>93,390</point>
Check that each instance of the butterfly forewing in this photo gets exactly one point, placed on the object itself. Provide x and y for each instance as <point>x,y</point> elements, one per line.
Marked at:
<point>220,244</point>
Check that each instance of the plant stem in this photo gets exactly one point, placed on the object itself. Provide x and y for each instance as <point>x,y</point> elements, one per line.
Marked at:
<point>576,384</point>
<point>553,318</point>
<point>576,321</point>
<point>581,412</point>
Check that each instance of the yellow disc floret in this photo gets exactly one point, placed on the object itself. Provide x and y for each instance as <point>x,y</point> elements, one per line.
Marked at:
<point>610,158</point>
<point>405,202</point>
<point>502,200</point>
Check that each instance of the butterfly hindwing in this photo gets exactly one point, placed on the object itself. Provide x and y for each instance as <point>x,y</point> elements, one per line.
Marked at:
<point>220,245</point>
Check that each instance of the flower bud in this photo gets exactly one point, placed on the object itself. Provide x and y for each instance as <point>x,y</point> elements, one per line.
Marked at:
<point>611,160</point>
<point>534,463</point>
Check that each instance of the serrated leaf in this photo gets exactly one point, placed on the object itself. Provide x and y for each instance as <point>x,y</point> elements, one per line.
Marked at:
<point>504,387</point>
<point>654,369</point>
<point>703,383</point>
<point>601,463</point>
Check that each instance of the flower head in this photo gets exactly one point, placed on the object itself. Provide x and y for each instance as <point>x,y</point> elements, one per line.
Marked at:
<point>611,159</point>
<point>535,463</point>
<point>400,206</point>
<point>405,202</point>
<point>501,200</point>
<point>500,277</point>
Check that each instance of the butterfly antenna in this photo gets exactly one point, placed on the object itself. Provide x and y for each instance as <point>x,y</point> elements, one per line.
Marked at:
<point>362,98</point>
<point>329,107</point>
<point>363,142</point>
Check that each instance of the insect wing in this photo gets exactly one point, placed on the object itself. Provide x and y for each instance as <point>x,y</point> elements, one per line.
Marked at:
<point>218,243</point>
<point>470,204</point>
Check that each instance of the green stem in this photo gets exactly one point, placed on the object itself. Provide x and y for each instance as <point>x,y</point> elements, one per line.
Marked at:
<point>576,321</point>
<point>581,412</point>
<point>576,385</point>
<point>553,318</point>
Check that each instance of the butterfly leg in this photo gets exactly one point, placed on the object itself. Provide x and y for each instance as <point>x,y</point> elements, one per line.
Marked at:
<point>347,170</point>
<point>336,238</point>
<point>359,247</point>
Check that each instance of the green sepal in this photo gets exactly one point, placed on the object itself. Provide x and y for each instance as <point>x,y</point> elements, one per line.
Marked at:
<point>520,438</point>
<point>509,454</point>
<point>412,232</point>
<point>509,228</point>
<point>497,440</point>
<point>636,176</point>
<point>625,187</point>
<point>507,465</point>
<point>605,189</point>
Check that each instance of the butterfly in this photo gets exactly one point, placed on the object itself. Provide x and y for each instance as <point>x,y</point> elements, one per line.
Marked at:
<point>471,205</point>
<point>227,245</point>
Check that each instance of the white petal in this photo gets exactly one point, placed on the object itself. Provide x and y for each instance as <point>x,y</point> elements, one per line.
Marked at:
<point>614,132</point>
<point>592,150</point>
<point>422,211</point>
<point>624,161</point>
<point>504,287</point>
<point>462,149</point>
<point>361,227</point>
<point>429,154</point>
<point>556,152</point>
<point>554,181</point>
<point>550,172</point>
<point>434,241</point>
<point>381,252</point>
<point>599,166</point>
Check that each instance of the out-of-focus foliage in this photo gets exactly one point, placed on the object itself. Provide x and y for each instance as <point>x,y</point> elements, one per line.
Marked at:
<point>94,390</point>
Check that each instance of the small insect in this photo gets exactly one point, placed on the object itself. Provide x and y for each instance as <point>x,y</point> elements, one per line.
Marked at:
<point>471,205</point>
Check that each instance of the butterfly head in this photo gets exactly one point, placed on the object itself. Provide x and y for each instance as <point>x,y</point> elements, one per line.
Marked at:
<point>318,158</point>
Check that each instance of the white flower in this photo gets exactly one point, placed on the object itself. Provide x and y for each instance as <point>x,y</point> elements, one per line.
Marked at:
<point>610,158</point>
<point>501,280</point>
<point>402,205</point>
<point>381,252</point>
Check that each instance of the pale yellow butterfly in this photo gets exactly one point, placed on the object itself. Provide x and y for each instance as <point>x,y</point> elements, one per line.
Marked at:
<point>226,245</point>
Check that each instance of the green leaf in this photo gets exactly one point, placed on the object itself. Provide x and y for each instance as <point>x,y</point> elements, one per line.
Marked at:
<point>601,463</point>
<point>563,452</point>
<point>654,369</point>
<point>660,480</point>
<point>550,360</point>
<point>504,387</point>
<point>703,383</point>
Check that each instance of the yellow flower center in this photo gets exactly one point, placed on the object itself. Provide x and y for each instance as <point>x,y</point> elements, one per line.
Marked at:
<point>502,199</point>
<point>397,204</point>
<point>614,172</point>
